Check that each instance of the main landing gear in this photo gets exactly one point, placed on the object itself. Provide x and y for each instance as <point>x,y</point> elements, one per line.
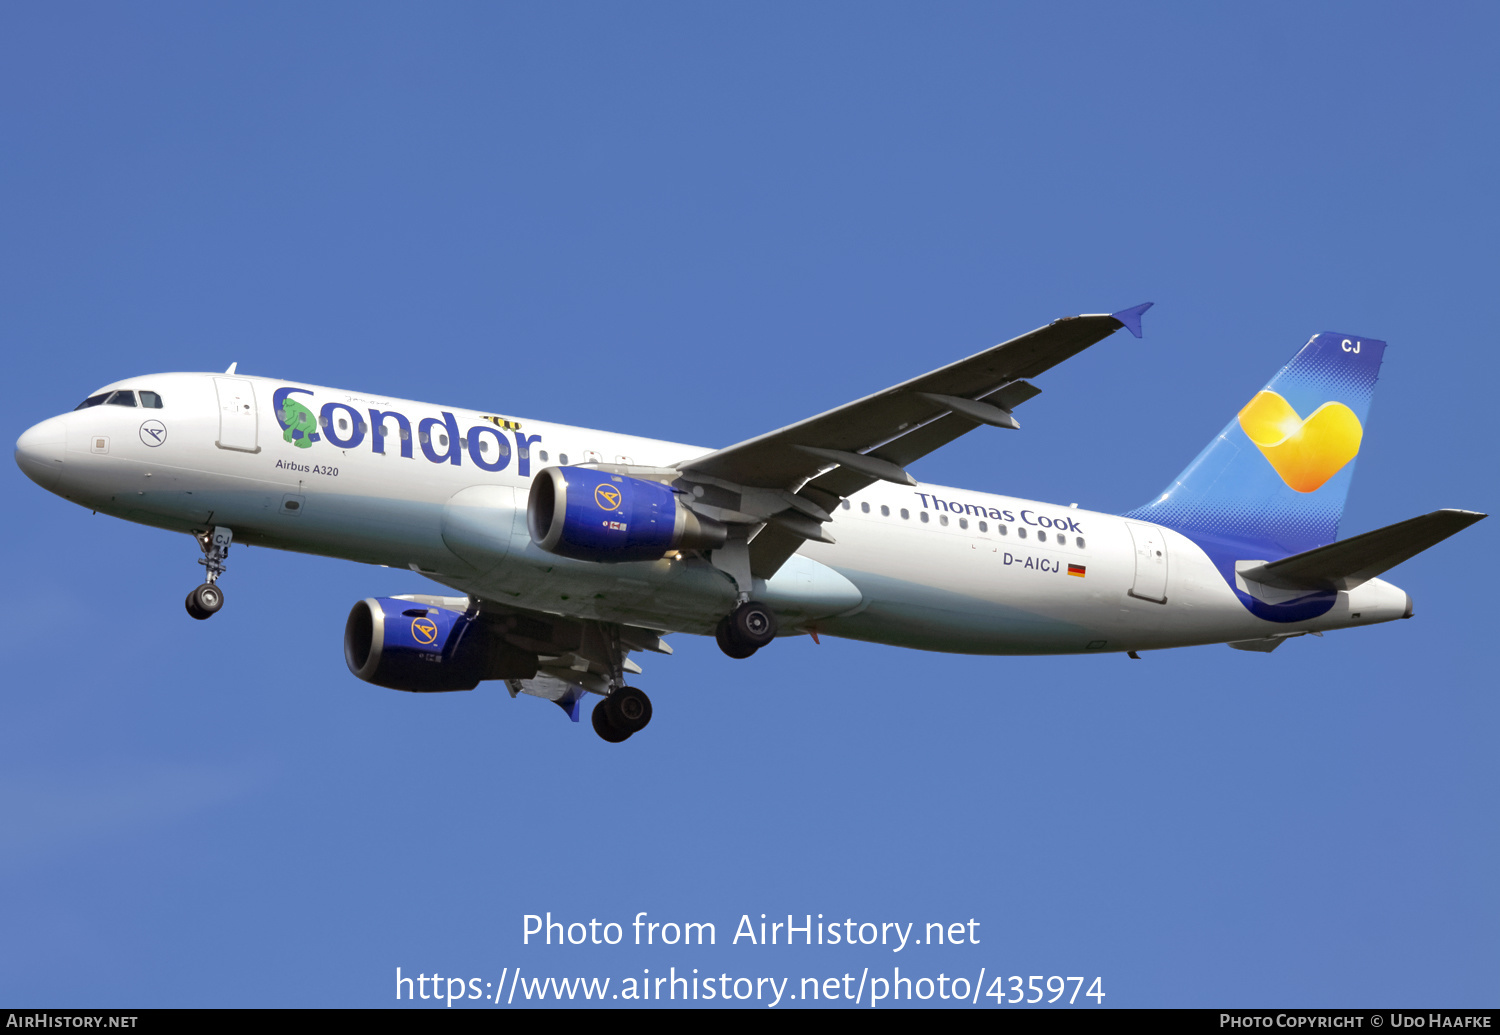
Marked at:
<point>205,601</point>
<point>625,711</point>
<point>746,629</point>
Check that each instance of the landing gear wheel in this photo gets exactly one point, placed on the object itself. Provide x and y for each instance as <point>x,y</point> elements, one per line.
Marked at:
<point>746,629</point>
<point>205,601</point>
<point>600,719</point>
<point>728,644</point>
<point>753,624</point>
<point>627,709</point>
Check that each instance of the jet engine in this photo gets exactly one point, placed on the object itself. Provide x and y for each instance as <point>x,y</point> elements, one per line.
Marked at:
<point>594,515</point>
<point>404,645</point>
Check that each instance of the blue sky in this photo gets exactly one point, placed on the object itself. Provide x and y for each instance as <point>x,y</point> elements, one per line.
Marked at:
<point>701,222</point>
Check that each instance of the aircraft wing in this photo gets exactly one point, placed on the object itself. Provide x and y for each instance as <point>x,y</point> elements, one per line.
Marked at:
<point>822,459</point>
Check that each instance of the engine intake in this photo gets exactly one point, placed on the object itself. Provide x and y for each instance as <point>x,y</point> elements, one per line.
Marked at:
<point>424,649</point>
<point>593,515</point>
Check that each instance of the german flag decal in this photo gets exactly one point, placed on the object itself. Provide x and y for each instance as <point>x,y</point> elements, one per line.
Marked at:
<point>1077,569</point>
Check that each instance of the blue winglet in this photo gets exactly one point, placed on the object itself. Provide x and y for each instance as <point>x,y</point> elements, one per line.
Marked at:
<point>570,701</point>
<point>1131,317</point>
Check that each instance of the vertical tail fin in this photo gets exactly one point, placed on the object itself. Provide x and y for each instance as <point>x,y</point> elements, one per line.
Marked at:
<point>1275,479</point>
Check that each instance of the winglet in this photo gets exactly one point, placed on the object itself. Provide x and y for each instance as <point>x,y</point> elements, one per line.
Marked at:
<point>1131,317</point>
<point>570,707</point>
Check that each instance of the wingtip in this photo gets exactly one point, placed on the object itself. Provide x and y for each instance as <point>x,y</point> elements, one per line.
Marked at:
<point>1131,318</point>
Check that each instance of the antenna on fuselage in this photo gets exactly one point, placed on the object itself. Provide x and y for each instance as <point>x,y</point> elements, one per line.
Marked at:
<point>232,366</point>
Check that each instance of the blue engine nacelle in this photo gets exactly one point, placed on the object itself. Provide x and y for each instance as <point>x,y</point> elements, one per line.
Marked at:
<point>597,516</point>
<point>424,649</point>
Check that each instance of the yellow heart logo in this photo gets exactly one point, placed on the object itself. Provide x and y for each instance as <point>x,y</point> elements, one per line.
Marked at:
<point>1306,453</point>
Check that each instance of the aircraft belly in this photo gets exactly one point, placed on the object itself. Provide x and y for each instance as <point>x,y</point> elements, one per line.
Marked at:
<point>688,595</point>
<point>977,594</point>
<point>669,594</point>
<point>909,614</point>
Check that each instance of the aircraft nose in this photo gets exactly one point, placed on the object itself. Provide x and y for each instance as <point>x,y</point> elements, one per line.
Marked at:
<point>40,450</point>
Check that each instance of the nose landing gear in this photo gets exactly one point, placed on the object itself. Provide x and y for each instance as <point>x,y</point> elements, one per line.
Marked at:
<point>746,629</point>
<point>205,601</point>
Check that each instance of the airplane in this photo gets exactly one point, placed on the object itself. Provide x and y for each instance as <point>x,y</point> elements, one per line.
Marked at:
<point>572,549</point>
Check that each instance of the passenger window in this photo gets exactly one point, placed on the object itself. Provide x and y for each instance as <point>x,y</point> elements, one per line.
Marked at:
<point>543,455</point>
<point>122,399</point>
<point>885,511</point>
<point>963,522</point>
<point>1041,537</point>
<point>1002,530</point>
<point>942,519</point>
<point>484,445</point>
<point>845,504</point>
<point>562,458</point>
<point>864,508</point>
<point>905,514</point>
<point>93,400</point>
<point>924,517</point>
<point>983,527</point>
<point>1021,532</point>
<point>151,400</point>
<point>1080,542</point>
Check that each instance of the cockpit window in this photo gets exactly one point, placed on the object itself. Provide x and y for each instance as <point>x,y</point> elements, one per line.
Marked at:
<point>124,397</point>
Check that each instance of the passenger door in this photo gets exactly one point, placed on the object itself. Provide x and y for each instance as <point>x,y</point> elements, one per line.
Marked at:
<point>1150,562</point>
<point>237,415</point>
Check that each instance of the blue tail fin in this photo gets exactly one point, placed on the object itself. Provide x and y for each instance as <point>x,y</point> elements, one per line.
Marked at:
<point>1274,481</point>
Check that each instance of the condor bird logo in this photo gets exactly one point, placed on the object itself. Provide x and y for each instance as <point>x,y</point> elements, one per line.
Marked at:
<point>424,630</point>
<point>1306,453</point>
<point>608,497</point>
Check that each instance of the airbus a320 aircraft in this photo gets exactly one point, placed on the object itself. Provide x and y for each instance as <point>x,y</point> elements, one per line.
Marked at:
<point>573,548</point>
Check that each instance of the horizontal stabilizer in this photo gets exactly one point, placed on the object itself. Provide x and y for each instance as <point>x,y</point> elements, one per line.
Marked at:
<point>1349,562</point>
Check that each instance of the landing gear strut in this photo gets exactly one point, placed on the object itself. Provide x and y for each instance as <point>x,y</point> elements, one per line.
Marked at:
<point>746,629</point>
<point>625,711</point>
<point>205,601</point>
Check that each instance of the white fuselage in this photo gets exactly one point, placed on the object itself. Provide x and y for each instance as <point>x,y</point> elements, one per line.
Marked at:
<point>929,567</point>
